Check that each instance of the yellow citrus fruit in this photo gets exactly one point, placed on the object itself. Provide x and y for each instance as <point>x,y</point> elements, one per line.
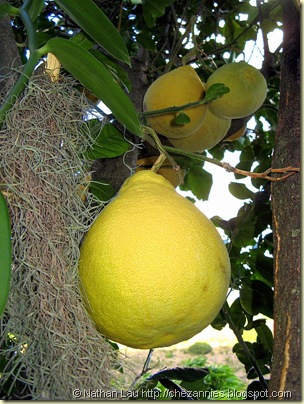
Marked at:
<point>176,88</point>
<point>248,90</point>
<point>174,176</point>
<point>212,131</point>
<point>154,270</point>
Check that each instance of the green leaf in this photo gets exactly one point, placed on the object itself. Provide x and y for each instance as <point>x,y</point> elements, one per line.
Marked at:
<point>95,77</point>
<point>262,267</point>
<point>240,191</point>
<point>96,24</point>
<point>102,191</point>
<point>119,74</point>
<point>215,91</point>
<point>154,9</point>
<point>108,143</point>
<point>219,322</point>
<point>35,8</point>
<point>197,388</point>
<point>146,40</point>
<point>265,335</point>
<point>182,119</point>
<point>199,182</point>
<point>7,9</point>
<point>247,154</point>
<point>244,235</point>
<point>237,314</point>
<point>223,224</point>
<point>268,25</point>
<point>82,40</point>
<point>242,357</point>
<point>5,253</point>
<point>256,297</point>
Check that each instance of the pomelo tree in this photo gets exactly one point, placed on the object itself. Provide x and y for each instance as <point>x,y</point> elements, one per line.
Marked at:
<point>111,52</point>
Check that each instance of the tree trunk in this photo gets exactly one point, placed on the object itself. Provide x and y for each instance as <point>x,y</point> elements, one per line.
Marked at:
<point>285,380</point>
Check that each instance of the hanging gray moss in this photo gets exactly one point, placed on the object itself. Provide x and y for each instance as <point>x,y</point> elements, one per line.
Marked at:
<point>49,346</point>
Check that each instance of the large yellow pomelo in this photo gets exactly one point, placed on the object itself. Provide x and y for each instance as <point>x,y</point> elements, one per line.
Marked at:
<point>176,88</point>
<point>212,131</point>
<point>248,90</point>
<point>154,270</point>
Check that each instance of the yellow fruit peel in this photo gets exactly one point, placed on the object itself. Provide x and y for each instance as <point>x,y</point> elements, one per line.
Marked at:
<point>154,270</point>
<point>176,88</point>
<point>212,131</point>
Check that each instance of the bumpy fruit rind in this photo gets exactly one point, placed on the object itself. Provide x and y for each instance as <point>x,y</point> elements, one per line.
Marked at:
<point>248,90</point>
<point>176,88</point>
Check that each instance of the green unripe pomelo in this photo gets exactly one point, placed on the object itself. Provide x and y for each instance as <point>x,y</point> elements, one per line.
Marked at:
<point>248,90</point>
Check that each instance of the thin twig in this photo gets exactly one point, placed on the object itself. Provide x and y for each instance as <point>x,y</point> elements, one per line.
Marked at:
<point>145,368</point>
<point>225,310</point>
<point>264,175</point>
<point>288,171</point>
<point>158,163</point>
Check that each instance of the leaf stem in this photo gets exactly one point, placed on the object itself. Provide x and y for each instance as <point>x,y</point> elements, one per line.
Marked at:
<point>195,156</point>
<point>19,86</point>
<point>173,109</point>
<point>145,368</point>
<point>30,65</point>
<point>29,26</point>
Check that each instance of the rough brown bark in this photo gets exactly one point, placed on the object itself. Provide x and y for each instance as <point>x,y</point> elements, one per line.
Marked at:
<point>286,376</point>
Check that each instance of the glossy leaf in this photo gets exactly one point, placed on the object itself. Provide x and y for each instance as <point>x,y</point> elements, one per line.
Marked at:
<point>96,24</point>
<point>154,9</point>
<point>219,322</point>
<point>119,74</point>
<point>240,191</point>
<point>5,253</point>
<point>35,8</point>
<point>265,335</point>
<point>242,357</point>
<point>215,91</point>
<point>108,143</point>
<point>182,119</point>
<point>82,40</point>
<point>102,191</point>
<point>262,267</point>
<point>95,77</point>
<point>237,314</point>
<point>7,9</point>
<point>256,297</point>
<point>199,181</point>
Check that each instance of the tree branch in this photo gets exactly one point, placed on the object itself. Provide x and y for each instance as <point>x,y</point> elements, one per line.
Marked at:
<point>287,171</point>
